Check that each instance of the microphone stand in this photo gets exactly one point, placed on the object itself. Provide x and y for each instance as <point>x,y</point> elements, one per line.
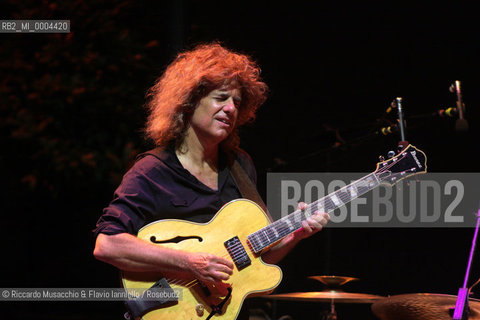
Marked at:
<point>402,144</point>
<point>461,123</point>
<point>461,307</point>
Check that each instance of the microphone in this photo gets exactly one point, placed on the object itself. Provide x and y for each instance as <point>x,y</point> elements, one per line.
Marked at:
<point>448,112</point>
<point>387,130</point>
<point>461,125</point>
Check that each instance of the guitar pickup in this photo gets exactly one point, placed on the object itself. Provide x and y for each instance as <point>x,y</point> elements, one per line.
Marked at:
<point>237,252</point>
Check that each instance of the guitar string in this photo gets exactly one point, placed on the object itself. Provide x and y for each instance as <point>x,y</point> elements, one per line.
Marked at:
<point>344,194</point>
<point>306,213</point>
<point>341,194</point>
<point>187,283</point>
<point>297,215</point>
<point>233,254</point>
<point>190,283</point>
<point>224,254</point>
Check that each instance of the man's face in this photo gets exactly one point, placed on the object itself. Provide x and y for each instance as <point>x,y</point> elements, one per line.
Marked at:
<point>216,115</point>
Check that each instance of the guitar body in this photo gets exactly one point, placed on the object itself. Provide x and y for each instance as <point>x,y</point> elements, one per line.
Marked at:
<point>237,218</point>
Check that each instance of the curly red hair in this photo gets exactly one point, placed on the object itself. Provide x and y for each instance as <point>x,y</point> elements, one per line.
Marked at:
<point>190,77</point>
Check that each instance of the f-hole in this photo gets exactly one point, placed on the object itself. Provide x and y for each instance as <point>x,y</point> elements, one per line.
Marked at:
<point>177,239</point>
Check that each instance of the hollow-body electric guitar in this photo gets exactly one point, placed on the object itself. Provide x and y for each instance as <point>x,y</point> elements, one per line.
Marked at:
<point>240,231</point>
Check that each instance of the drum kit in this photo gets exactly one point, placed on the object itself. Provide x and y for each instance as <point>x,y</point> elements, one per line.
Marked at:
<point>418,306</point>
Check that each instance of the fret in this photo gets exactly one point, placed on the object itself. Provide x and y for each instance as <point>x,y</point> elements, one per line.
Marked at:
<point>289,224</point>
<point>317,206</point>
<point>352,190</point>
<point>314,206</point>
<point>275,232</point>
<point>258,238</point>
<point>336,201</point>
<point>265,233</point>
<point>296,219</point>
<point>274,228</point>
<point>328,204</point>
<point>255,242</point>
<point>344,195</point>
<point>283,227</point>
<point>270,234</point>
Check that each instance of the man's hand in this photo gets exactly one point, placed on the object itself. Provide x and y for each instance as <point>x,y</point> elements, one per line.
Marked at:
<point>208,267</point>
<point>313,224</point>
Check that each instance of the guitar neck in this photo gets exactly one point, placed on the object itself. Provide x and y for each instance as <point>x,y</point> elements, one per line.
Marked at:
<point>281,228</point>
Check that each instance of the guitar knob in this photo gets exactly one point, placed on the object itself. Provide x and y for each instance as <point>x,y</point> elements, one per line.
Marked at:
<point>390,154</point>
<point>200,308</point>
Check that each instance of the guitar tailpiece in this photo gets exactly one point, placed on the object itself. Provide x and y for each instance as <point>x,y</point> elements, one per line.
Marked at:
<point>218,308</point>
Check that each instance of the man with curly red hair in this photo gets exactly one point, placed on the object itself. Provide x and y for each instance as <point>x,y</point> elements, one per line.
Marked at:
<point>195,110</point>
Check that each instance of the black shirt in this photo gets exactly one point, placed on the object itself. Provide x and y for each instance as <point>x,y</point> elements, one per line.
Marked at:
<point>158,187</point>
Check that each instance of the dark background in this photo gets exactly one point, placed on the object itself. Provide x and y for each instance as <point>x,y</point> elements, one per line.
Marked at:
<point>71,116</point>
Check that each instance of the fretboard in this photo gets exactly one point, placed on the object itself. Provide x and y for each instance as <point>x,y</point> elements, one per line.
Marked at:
<point>281,228</point>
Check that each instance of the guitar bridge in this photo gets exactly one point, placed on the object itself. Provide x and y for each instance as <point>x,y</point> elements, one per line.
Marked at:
<point>237,252</point>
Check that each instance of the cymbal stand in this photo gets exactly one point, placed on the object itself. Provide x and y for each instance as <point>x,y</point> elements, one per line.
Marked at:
<point>333,313</point>
<point>330,314</point>
<point>461,307</point>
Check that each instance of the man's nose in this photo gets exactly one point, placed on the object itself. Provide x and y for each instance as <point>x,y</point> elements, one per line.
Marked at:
<point>229,105</point>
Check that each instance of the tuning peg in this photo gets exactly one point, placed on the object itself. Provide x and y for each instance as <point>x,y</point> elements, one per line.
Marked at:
<point>381,158</point>
<point>390,154</point>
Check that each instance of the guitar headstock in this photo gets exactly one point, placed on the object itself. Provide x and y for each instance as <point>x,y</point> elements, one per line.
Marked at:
<point>410,161</point>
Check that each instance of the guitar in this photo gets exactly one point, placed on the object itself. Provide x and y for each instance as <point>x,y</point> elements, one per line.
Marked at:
<point>240,231</point>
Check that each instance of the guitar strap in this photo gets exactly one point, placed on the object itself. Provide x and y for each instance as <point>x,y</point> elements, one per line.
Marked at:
<point>246,186</point>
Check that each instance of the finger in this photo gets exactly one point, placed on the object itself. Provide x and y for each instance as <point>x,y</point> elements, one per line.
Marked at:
<point>306,226</point>
<point>316,222</point>
<point>315,226</point>
<point>220,276</point>
<point>325,219</point>
<point>324,222</point>
<point>208,279</point>
<point>223,261</point>
<point>321,217</point>
<point>212,276</point>
<point>224,269</point>
<point>302,206</point>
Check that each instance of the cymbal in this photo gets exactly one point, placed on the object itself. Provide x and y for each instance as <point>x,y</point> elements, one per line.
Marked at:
<point>326,296</point>
<point>333,281</point>
<point>422,306</point>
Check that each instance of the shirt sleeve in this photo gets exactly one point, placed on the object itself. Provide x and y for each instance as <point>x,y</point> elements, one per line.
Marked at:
<point>131,207</point>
